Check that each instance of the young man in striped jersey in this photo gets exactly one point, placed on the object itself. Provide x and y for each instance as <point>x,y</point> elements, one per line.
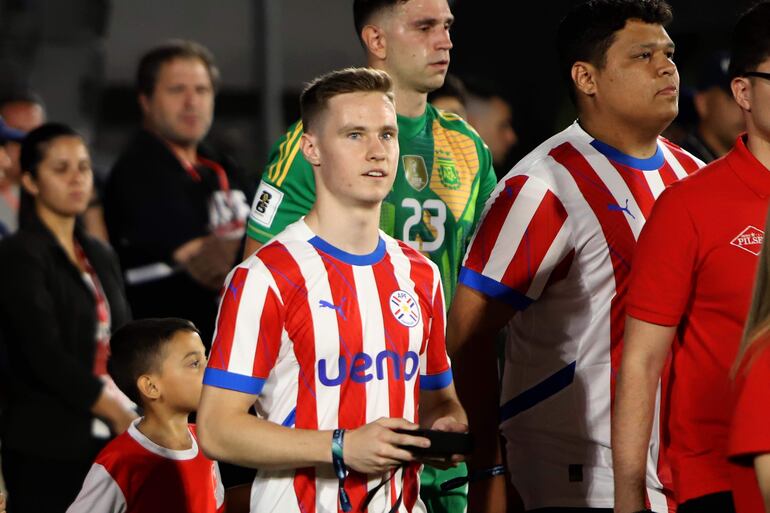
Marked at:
<point>334,331</point>
<point>445,172</point>
<point>551,258</point>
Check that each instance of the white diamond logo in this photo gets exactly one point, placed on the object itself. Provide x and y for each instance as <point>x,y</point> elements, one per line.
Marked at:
<point>749,240</point>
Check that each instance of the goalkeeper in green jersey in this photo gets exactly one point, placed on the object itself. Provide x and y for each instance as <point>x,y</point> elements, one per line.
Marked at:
<point>445,172</point>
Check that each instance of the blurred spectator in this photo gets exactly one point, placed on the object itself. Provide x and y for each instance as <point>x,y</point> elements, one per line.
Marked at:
<point>175,211</point>
<point>61,297</point>
<point>490,114</point>
<point>24,110</point>
<point>450,97</point>
<point>9,189</point>
<point>719,118</point>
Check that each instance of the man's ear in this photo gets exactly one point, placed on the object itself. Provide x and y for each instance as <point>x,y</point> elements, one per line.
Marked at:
<point>144,104</point>
<point>741,88</point>
<point>309,146</point>
<point>29,184</point>
<point>148,386</point>
<point>374,41</point>
<point>584,77</point>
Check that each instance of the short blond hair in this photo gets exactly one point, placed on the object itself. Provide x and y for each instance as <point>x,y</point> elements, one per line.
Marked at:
<point>315,97</point>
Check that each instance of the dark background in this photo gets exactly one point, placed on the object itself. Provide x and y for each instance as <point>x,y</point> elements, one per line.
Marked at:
<point>80,56</point>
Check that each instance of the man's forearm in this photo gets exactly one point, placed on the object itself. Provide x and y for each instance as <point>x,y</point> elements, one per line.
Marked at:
<point>644,354</point>
<point>252,442</point>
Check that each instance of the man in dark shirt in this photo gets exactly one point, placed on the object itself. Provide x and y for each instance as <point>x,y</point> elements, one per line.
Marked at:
<point>175,211</point>
<point>719,118</point>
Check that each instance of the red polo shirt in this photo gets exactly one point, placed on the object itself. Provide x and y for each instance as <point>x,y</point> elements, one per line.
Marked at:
<point>694,268</point>
<point>749,435</point>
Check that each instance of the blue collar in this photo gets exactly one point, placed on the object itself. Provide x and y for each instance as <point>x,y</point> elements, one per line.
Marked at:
<point>349,258</point>
<point>649,164</point>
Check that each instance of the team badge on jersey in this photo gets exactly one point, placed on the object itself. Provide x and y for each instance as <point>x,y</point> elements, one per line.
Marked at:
<point>404,308</point>
<point>749,240</point>
<point>448,173</point>
<point>415,171</point>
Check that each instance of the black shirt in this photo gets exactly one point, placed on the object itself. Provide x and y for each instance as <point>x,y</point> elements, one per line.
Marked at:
<point>153,205</point>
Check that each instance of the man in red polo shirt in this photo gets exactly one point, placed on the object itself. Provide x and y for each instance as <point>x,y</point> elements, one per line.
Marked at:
<point>691,281</point>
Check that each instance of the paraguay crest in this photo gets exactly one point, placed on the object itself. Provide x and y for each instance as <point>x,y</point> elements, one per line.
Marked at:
<point>415,171</point>
<point>404,308</point>
<point>448,173</point>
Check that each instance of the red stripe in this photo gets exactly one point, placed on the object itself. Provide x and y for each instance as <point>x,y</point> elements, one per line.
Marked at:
<point>352,405</point>
<point>537,239</point>
<point>561,269</point>
<point>684,158</point>
<point>618,235</point>
<point>396,334</point>
<point>269,338</point>
<point>667,174</point>
<point>411,485</point>
<point>637,184</point>
<point>299,326</point>
<point>228,313</point>
<point>489,230</point>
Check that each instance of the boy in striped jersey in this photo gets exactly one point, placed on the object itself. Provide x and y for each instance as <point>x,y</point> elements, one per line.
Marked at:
<point>551,258</point>
<point>333,330</point>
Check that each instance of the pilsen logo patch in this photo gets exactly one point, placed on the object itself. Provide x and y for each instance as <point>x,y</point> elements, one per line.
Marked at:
<point>749,240</point>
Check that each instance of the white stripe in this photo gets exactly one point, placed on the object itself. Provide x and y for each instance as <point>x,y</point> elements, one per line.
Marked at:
<point>516,223</point>
<point>326,333</point>
<point>655,182</point>
<point>551,259</point>
<point>403,268</point>
<point>658,501</point>
<point>248,319</point>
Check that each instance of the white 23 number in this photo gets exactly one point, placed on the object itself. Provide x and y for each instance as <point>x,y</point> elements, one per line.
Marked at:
<point>437,220</point>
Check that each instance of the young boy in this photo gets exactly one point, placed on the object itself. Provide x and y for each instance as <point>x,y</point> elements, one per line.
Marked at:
<point>155,465</point>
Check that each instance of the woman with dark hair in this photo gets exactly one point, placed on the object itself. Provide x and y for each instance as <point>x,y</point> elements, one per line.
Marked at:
<point>61,297</point>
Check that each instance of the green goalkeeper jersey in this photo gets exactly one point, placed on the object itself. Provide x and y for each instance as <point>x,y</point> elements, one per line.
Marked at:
<point>444,178</point>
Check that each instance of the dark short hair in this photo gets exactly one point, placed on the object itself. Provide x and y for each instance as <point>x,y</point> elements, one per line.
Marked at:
<point>363,10</point>
<point>452,87</point>
<point>150,63</point>
<point>588,30</point>
<point>317,94</point>
<point>137,347</point>
<point>20,96</point>
<point>751,40</point>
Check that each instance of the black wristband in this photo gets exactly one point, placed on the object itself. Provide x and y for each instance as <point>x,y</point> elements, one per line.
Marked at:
<point>338,438</point>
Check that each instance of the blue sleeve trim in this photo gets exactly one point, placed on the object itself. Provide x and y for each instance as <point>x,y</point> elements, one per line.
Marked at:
<point>493,289</point>
<point>436,381</point>
<point>231,381</point>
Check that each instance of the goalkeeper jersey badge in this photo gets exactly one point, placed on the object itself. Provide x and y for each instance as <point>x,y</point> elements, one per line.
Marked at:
<point>415,171</point>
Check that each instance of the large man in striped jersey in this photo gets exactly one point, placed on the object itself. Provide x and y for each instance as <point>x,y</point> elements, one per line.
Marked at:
<point>333,326</point>
<point>445,172</point>
<point>552,256</point>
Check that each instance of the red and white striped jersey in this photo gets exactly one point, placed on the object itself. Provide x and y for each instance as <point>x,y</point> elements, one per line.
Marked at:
<point>133,474</point>
<point>327,340</point>
<point>556,243</point>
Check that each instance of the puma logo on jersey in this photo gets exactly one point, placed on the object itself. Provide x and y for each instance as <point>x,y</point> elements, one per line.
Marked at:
<point>618,208</point>
<point>326,304</point>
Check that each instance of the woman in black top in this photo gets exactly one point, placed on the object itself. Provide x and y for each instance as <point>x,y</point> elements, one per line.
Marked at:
<point>61,294</point>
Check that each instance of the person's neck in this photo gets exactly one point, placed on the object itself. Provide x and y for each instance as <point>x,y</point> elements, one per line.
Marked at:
<point>185,152</point>
<point>165,428</point>
<point>353,230</point>
<point>62,228</point>
<point>759,146</point>
<point>634,141</point>
<point>712,142</point>
<point>409,103</point>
